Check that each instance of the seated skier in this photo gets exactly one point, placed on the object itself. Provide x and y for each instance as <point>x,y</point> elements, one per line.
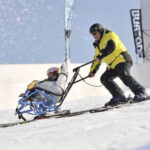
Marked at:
<point>54,85</point>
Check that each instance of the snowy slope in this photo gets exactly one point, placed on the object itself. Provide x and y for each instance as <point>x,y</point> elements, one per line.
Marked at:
<point>121,129</point>
<point>15,78</point>
<point>127,128</point>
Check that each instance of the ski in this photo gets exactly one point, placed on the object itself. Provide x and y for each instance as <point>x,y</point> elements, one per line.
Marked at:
<point>129,103</point>
<point>64,112</point>
<point>14,123</point>
<point>57,115</point>
<point>108,108</point>
<point>67,113</point>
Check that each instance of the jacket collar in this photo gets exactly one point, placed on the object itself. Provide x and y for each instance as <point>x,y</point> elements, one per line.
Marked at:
<point>96,43</point>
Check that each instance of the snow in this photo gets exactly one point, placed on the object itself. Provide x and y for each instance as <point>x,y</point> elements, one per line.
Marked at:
<point>126,128</point>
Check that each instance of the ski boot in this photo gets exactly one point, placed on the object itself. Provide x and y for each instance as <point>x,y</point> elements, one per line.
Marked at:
<point>141,96</point>
<point>121,99</point>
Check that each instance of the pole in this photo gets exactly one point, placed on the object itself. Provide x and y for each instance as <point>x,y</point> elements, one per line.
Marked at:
<point>69,4</point>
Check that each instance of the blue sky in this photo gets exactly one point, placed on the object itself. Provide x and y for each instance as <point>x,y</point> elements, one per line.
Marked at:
<point>33,31</point>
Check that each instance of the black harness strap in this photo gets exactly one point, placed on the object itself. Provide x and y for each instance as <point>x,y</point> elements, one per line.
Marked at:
<point>49,92</point>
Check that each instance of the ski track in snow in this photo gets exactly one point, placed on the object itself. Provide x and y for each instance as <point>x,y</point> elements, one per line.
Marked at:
<point>127,128</point>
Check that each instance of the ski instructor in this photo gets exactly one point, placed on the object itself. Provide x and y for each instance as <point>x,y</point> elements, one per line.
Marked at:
<point>110,49</point>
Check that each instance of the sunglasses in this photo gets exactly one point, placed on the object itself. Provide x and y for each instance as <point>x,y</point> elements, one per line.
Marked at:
<point>94,33</point>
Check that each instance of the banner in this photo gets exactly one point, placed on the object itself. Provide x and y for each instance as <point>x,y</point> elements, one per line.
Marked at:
<point>145,7</point>
<point>137,32</point>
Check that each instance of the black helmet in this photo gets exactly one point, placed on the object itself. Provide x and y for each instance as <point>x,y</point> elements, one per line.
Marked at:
<point>96,27</point>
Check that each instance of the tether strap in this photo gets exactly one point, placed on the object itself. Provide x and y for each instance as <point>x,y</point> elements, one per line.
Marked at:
<point>49,92</point>
<point>89,83</point>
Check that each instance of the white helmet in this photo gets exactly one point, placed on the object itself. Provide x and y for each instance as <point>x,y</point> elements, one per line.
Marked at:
<point>52,70</point>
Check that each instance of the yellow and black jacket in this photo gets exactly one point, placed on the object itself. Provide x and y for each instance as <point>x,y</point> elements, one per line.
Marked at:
<point>109,49</point>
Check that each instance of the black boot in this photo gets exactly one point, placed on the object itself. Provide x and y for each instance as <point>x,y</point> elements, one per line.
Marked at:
<point>141,96</point>
<point>121,99</point>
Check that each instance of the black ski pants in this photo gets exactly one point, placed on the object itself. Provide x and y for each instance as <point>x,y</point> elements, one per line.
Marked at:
<point>122,71</point>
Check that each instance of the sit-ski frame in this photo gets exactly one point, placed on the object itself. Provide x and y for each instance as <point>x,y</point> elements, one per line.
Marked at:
<point>73,80</point>
<point>54,107</point>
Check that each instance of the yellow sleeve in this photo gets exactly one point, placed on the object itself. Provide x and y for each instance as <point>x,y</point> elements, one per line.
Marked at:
<point>95,65</point>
